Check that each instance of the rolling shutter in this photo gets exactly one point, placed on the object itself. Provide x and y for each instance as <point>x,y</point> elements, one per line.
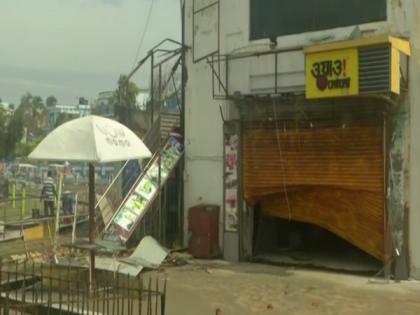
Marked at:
<point>331,177</point>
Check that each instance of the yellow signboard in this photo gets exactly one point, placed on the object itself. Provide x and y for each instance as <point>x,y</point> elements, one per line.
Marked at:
<point>332,73</point>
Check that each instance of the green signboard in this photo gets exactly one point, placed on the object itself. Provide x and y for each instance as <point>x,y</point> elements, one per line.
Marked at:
<point>272,18</point>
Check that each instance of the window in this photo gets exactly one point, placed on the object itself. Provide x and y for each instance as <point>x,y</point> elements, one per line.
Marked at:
<point>272,18</point>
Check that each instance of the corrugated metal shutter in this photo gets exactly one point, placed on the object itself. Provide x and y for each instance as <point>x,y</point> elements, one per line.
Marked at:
<point>334,178</point>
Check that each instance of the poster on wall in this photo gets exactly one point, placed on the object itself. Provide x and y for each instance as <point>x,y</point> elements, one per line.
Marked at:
<point>141,198</point>
<point>231,182</point>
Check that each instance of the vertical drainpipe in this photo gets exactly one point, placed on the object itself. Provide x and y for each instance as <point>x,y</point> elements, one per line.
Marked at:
<point>182,120</point>
<point>152,97</point>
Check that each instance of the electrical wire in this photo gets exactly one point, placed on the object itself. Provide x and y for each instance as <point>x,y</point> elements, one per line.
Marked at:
<point>143,35</point>
<point>283,168</point>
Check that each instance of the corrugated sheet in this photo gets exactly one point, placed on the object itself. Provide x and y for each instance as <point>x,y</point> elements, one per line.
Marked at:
<point>334,177</point>
<point>167,122</point>
<point>160,130</point>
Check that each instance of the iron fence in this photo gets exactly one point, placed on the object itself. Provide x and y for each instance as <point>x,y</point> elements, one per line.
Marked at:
<point>31,288</point>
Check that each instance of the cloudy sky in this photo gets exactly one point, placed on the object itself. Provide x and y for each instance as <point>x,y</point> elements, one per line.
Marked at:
<point>72,48</point>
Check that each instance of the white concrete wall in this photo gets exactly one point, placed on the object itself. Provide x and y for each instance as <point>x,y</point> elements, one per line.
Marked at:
<point>204,146</point>
<point>414,201</point>
<point>204,134</point>
<point>404,20</point>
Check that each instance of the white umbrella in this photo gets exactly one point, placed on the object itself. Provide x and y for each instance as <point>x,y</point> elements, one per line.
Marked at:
<point>92,139</point>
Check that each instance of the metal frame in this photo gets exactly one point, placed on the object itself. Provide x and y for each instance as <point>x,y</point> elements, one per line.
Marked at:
<point>153,54</point>
<point>223,81</point>
<point>156,157</point>
<point>157,49</point>
<point>195,12</point>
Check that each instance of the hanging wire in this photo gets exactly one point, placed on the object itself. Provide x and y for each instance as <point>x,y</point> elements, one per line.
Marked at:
<point>143,35</point>
<point>282,164</point>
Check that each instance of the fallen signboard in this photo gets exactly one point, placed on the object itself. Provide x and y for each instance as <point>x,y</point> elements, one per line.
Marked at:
<point>140,199</point>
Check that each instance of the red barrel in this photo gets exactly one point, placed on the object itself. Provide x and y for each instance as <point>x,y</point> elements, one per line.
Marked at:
<point>203,224</point>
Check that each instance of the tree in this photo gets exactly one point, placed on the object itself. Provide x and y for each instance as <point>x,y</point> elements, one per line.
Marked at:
<point>62,118</point>
<point>51,101</point>
<point>38,107</point>
<point>34,114</point>
<point>14,133</point>
<point>30,115</point>
<point>3,132</point>
<point>125,100</point>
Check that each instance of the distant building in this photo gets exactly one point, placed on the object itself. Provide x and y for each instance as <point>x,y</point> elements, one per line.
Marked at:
<point>142,99</point>
<point>76,111</point>
<point>103,104</point>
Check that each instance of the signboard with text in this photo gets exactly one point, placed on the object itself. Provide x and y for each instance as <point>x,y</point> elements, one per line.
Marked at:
<point>332,73</point>
<point>147,189</point>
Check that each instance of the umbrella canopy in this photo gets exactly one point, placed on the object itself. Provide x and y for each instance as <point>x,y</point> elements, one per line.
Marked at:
<point>91,139</point>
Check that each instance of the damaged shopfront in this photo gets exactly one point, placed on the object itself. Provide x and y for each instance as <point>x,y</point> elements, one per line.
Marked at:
<point>319,179</point>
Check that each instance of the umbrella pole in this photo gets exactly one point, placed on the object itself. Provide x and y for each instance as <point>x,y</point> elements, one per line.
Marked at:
<point>92,227</point>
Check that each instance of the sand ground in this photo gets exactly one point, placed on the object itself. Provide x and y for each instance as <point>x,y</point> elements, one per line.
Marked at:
<point>249,289</point>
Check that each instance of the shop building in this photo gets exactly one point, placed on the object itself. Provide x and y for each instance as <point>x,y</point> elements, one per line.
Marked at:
<point>301,125</point>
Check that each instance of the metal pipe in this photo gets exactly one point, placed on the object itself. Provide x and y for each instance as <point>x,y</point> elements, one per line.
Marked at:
<point>217,76</point>
<point>150,53</point>
<point>182,122</point>
<point>160,162</point>
<point>160,87</point>
<point>152,96</point>
<point>163,51</point>
<point>171,76</point>
<point>141,62</point>
<point>92,228</point>
<point>176,52</point>
<point>73,233</point>
<point>385,157</point>
<point>166,40</point>
<point>111,184</point>
<point>259,54</point>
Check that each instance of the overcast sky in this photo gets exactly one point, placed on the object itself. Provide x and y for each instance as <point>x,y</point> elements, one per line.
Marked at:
<point>72,48</point>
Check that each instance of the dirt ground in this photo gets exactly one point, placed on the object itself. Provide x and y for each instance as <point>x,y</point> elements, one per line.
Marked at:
<point>248,289</point>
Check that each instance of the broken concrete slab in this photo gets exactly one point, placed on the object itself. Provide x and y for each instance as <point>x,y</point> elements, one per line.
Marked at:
<point>148,254</point>
<point>113,265</point>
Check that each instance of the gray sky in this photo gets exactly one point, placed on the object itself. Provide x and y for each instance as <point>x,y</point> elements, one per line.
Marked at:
<point>72,48</point>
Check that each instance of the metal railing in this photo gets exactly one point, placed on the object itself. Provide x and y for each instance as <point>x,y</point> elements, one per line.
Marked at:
<point>113,196</point>
<point>30,288</point>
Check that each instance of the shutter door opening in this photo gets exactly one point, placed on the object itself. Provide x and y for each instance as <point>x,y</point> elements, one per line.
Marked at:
<point>332,177</point>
